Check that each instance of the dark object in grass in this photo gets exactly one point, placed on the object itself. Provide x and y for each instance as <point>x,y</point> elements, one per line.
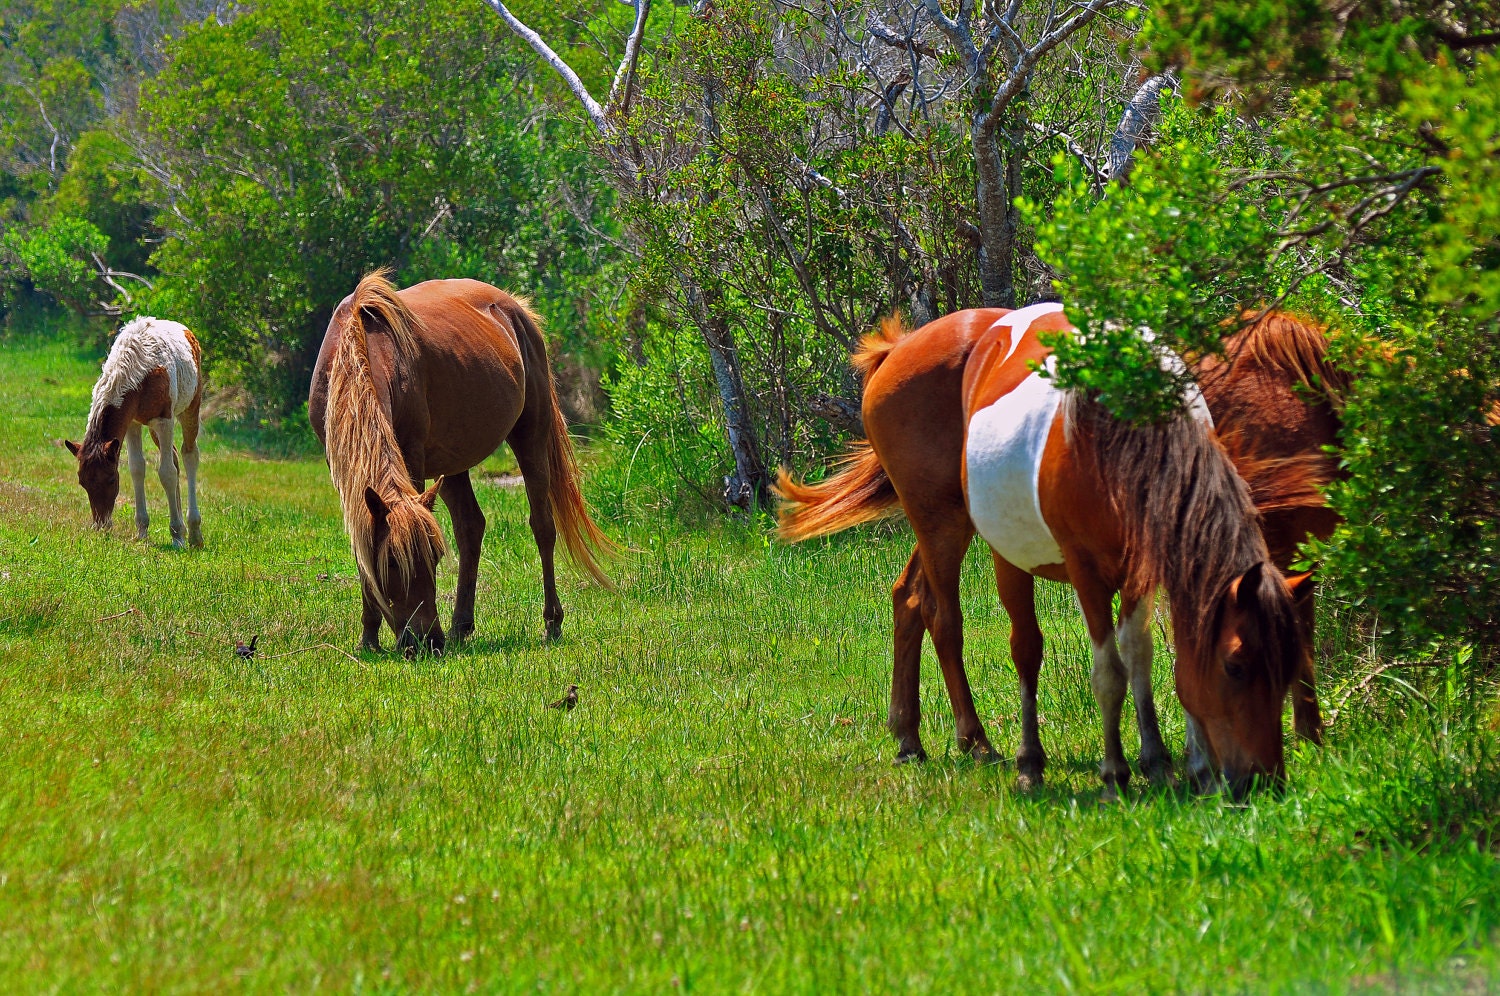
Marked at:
<point>568,701</point>
<point>244,650</point>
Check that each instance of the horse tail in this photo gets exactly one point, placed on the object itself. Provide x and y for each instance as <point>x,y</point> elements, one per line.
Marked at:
<point>875,347</point>
<point>581,536</point>
<point>860,492</point>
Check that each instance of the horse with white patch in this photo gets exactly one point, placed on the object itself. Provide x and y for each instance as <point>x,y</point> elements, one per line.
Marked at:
<point>153,374</point>
<point>967,437</point>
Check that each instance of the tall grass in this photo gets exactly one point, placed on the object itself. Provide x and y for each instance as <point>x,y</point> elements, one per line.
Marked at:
<point>719,813</point>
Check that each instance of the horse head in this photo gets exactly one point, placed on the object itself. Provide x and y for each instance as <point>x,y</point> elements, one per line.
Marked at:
<point>1235,679</point>
<point>99,475</point>
<point>405,547</point>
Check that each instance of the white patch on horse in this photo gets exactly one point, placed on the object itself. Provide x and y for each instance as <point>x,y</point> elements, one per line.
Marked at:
<point>1003,455</point>
<point>141,346</point>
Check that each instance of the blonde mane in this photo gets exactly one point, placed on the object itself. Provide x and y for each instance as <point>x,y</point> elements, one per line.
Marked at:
<point>361,444</point>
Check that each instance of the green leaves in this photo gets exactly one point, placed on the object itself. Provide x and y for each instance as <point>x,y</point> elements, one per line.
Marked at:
<point>58,258</point>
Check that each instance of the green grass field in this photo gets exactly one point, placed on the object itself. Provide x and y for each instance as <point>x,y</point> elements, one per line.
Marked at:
<point>719,814</point>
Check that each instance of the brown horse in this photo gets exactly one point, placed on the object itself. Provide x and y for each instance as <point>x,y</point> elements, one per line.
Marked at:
<point>1275,398</point>
<point>153,374</point>
<point>964,435</point>
<point>426,383</point>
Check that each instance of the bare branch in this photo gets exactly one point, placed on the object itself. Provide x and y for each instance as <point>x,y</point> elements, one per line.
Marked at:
<point>591,106</point>
<point>1140,116</point>
<point>620,89</point>
<point>879,29</point>
<point>1020,75</point>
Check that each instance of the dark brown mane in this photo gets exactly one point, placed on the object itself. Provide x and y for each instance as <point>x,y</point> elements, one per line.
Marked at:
<point>1189,523</point>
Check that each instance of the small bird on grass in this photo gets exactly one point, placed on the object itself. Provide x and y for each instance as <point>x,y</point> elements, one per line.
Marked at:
<point>568,701</point>
<point>244,650</point>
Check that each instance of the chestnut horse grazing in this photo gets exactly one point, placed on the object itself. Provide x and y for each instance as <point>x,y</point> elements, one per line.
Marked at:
<point>152,375</point>
<point>965,436</point>
<point>426,383</point>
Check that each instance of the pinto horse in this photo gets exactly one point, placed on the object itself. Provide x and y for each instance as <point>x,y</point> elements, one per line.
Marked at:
<point>153,374</point>
<point>426,383</point>
<point>966,437</point>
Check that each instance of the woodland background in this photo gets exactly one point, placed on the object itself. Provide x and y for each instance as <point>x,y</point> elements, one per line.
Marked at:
<point>711,203</point>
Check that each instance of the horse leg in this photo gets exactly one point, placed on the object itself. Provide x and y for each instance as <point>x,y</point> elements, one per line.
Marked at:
<point>1306,718</point>
<point>166,472</point>
<point>468,535</point>
<point>1133,636</point>
<point>1200,766</point>
<point>370,617</point>
<point>942,549</point>
<point>1017,591</point>
<point>189,420</point>
<point>531,453</point>
<point>136,455</point>
<point>905,718</point>
<point>1108,678</point>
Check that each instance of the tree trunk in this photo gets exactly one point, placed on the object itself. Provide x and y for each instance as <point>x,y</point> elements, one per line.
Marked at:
<point>1140,116</point>
<point>749,484</point>
<point>997,248</point>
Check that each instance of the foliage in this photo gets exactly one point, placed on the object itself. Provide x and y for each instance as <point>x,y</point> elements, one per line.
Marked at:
<point>57,258</point>
<point>787,178</point>
<point>1361,193</point>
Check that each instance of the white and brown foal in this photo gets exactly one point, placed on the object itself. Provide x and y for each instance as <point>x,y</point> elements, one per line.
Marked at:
<point>153,374</point>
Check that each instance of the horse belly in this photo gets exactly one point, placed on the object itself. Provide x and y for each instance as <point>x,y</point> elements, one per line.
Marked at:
<point>1003,457</point>
<point>471,407</point>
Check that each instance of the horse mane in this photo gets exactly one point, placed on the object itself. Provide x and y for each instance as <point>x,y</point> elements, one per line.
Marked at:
<point>130,359</point>
<point>875,347</point>
<point>1293,344</point>
<point>1279,483</point>
<point>361,444</point>
<point>1188,520</point>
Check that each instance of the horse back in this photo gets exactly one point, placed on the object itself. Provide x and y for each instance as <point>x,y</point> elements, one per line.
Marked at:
<point>912,414</point>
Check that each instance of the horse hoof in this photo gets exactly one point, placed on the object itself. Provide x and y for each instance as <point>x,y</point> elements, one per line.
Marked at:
<point>554,631</point>
<point>983,753</point>
<point>1110,795</point>
<point>905,756</point>
<point>1029,782</point>
<point>1158,773</point>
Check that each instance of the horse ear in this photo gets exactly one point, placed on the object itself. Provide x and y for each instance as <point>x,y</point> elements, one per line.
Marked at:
<point>73,447</point>
<point>1243,589</point>
<point>1302,587</point>
<point>111,448</point>
<point>378,509</point>
<point>430,496</point>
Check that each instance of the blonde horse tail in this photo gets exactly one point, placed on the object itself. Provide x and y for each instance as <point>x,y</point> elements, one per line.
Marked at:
<point>584,540</point>
<point>860,492</point>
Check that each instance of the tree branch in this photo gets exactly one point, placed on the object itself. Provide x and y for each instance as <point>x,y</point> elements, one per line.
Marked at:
<point>878,29</point>
<point>1140,116</point>
<point>619,90</point>
<point>591,106</point>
